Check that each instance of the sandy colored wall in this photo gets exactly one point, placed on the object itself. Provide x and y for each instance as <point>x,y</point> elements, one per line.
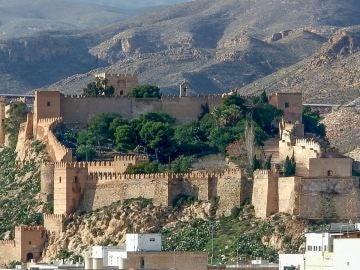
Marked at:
<point>329,198</point>
<point>288,195</point>
<point>69,184</point>
<point>54,223</point>
<point>79,110</point>
<point>264,195</point>
<point>167,260</point>
<point>293,112</point>
<point>101,192</point>
<point>56,151</point>
<point>303,151</point>
<point>8,252</point>
<point>30,240</point>
<point>46,105</point>
<point>337,167</point>
<point>232,189</point>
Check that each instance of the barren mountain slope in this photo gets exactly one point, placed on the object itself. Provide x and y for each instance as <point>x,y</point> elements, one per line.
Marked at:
<point>219,45</point>
<point>343,129</point>
<point>331,75</point>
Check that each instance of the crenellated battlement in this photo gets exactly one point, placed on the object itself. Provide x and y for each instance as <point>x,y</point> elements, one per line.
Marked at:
<point>127,158</point>
<point>59,217</point>
<point>29,228</point>
<point>10,243</point>
<point>100,163</point>
<point>308,144</point>
<point>261,173</point>
<point>112,176</point>
<point>71,165</point>
<point>52,120</point>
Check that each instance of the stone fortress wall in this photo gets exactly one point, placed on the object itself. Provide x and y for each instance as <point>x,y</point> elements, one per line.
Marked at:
<point>78,187</point>
<point>27,244</point>
<point>323,185</point>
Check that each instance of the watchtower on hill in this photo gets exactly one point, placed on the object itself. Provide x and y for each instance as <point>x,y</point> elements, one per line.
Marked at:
<point>122,83</point>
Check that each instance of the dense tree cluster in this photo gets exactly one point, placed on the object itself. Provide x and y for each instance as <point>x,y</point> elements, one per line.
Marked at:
<point>169,143</point>
<point>98,88</point>
<point>289,168</point>
<point>145,91</point>
<point>312,123</point>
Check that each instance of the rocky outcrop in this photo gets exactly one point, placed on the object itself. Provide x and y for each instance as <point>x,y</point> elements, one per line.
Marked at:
<point>343,128</point>
<point>109,225</point>
<point>341,44</point>
<point>279,35</point>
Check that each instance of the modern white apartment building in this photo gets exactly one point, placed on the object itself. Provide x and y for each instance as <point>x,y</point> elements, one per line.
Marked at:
<point>337,249</point>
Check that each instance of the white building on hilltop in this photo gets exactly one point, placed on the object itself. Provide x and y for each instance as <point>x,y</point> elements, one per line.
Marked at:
<point>337,249</point>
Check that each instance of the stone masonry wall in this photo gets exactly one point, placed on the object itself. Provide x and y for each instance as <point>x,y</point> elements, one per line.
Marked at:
<point>101,190</point>
<point>56,151</point>
<point>54,223</point>
<point>288,190</point>
<point>8,252</point>
<point>77,188</point>
<point>264,195</point>
<point>79,110</point>
<point>329,198</point>
<point>232,189</point>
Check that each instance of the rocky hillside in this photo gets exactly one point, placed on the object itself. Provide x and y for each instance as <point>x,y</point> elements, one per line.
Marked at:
<point>330,75</point>
<point>343,129</point>
<point>19,189</point>
<point>184,228</point>
<point>220,45</point>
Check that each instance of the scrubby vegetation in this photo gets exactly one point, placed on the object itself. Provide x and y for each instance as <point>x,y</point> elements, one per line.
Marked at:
<point>173,146</point>
<point>189,226</point>
<point>18,190</point>
<point>237,237</point>
<point>16,115</point>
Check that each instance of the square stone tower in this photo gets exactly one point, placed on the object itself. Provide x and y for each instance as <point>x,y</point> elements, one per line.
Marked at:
<point>122,83</point>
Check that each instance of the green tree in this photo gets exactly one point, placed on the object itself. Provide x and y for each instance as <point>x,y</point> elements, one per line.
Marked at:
<point>256,164</point>
<point>190,139</point>
<point>145,91</point>
<point>99,128</point>
<point>98,88</point>
<point>16,115</point>
<point>64,254</point>
<point>267,164</point>
<point>289,166</point>
<point>152,167</point>
<point>85,152</point>
<point>267,117</point>
<point>264,98</point>
<point>125,138</point>
<point>234,100</point>
<point>158,137</point>
<point>181,164</point>
<point>312,123</point>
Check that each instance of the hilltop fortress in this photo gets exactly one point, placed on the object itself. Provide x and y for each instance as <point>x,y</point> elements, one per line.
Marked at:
<point>322,187</point>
